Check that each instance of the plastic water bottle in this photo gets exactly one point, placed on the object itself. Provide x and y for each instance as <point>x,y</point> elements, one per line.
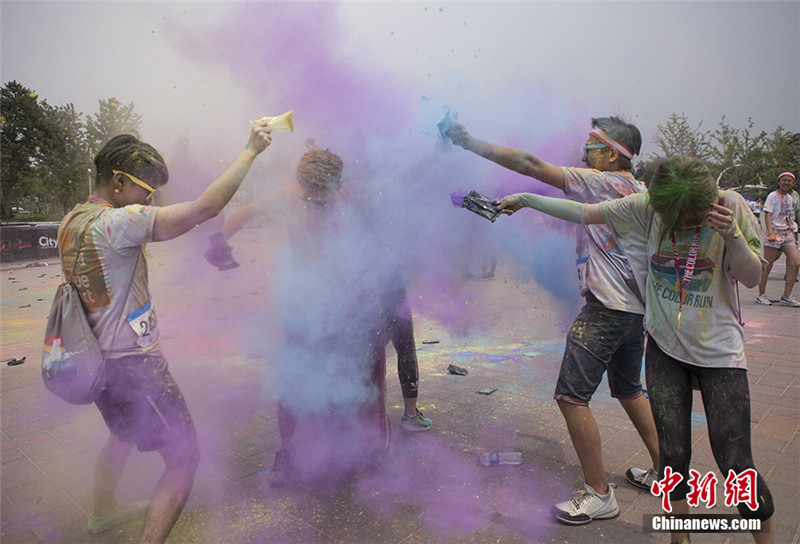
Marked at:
<point>505,458</point>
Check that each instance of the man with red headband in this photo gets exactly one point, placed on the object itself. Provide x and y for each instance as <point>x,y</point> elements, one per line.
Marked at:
<point>608,334</point>
<point>781,215</point>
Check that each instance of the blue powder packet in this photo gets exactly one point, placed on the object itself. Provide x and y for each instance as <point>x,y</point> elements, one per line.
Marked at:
<point>444,124</point>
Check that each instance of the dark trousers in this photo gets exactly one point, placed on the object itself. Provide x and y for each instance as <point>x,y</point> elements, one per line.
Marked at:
<point>726,399</point>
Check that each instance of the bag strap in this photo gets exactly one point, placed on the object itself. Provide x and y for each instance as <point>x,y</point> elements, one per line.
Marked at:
<point>89,223</point>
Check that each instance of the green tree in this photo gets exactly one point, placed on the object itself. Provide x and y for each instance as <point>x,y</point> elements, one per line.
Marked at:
<point>66,168</point>
<point>782,153</point>
<point>113,118</point>
<point>738,155</point>
<point>24,135</point>
<point>677,138</point>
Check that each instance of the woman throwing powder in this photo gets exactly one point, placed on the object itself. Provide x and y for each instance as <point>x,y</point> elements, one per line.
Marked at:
<point>102,250</point>
<point>689,243</point>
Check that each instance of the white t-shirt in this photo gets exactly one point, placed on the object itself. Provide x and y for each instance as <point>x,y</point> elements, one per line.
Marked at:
<point>111,274</point>
<point>710,334</point>
<point>603,271</point>
<point>782,209</point>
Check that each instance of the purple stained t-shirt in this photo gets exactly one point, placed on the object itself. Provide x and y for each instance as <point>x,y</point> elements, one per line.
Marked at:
<point>111,273</point>
<point>602,263</point>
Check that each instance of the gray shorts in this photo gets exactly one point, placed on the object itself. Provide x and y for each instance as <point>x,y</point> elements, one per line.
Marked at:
<point>141,402</point>
<point>786,238</point>
<point>602,340</point>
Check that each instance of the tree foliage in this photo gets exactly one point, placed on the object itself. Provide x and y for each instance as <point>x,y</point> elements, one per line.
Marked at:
<point>742,158</point>
<point>781,153</point>
<point>47,151</point>
<point>677,138</point>
<point>66,169</point>
<point>25,135</point>
<point>112,119</point>
<point>739,155</point>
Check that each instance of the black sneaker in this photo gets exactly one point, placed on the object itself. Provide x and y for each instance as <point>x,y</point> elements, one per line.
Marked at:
<point>643,479</point>
<point>220,254</point>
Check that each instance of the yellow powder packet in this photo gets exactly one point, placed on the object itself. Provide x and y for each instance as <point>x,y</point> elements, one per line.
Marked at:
<point>280,123</point>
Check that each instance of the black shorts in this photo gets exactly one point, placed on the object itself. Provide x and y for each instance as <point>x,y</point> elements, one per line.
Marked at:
<point>601,341</point>
<point>141,402</point>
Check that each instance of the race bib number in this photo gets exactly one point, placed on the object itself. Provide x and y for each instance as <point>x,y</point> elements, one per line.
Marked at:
<point>143,322</point>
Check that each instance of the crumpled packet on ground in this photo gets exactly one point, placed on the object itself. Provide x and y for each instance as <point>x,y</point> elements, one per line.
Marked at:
<point>279,123</point>
<point>481,205</point>
<point>455,369</point>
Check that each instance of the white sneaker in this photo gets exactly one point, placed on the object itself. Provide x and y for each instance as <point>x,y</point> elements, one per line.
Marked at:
<point>417,423</point>
<point>763,299</point>
<point>586,505</point>
<point>643,479</point>
<point>789,301</point>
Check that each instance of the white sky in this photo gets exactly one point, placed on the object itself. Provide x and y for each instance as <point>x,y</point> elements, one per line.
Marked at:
<point>643,60</point>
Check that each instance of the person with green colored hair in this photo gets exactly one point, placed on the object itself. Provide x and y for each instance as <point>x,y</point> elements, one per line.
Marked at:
<point>689,244</point>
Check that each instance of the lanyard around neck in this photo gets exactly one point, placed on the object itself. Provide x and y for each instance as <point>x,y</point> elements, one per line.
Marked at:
<point>691,260</point>
<point>786,207</point>
<point>98,200</point>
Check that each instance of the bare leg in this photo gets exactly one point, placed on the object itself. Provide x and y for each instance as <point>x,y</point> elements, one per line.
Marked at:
<point>287,423</point>
<point>792,264</point>
<point>107,472</point>
<point>680,507</point>
<point>169,497</point>
<point>767,533</point>
<point>770,255</point>
<point>585,438</point>
<point>641,416</point>
<point>282,469</point>
<point>410,407</point>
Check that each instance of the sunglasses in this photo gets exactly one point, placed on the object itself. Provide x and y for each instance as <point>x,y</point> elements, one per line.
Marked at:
<point>586,149</point>
<point>138,182</point>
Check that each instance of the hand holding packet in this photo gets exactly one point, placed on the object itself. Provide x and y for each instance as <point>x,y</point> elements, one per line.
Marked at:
<point>279,123</point>
<point>447,120</point>
<point>481,205</point>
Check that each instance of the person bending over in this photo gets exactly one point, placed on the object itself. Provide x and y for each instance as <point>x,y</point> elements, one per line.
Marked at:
<point>689,243</point>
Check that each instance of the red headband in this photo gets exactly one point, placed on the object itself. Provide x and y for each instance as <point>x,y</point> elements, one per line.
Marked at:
<point>787,174</point>
<point>601,135</point>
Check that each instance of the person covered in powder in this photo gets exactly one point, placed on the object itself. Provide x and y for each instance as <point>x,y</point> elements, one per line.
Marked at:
<point>104,239</point>
<point>340,317</point>
<point>781,216</point>
<point>607,335</point>
<point>395,312</point>
<point>688,243</point>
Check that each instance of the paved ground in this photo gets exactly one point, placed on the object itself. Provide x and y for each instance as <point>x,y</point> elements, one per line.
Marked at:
<point>432,491</point>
